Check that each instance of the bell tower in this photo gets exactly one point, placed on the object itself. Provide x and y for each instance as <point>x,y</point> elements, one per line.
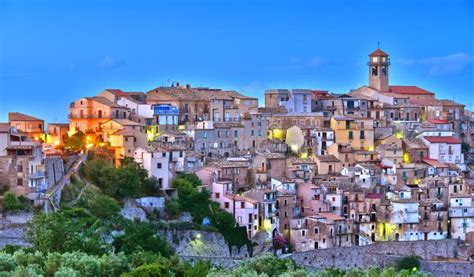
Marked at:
<point>378,70</point>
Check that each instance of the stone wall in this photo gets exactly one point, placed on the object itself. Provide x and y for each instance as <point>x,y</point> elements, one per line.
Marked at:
<point>385,254</point>
<point>12,228</point>
<point>438,268</point>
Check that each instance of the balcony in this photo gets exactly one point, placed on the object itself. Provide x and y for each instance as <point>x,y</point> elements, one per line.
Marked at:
<point>36,175</point>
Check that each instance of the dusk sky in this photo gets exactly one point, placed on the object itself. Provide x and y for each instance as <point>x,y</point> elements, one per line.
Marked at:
<point>53,52</point>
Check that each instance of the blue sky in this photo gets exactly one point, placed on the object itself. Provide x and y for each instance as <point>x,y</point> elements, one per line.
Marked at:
<point>52,52</point>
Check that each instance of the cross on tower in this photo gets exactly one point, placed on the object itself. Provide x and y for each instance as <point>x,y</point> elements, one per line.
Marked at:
<point>378,44</point>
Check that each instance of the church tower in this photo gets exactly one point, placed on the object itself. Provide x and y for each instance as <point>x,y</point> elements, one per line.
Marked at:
<point>378,70</point>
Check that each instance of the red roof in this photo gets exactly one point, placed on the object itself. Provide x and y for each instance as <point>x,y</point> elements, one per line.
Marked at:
<point>378,52</point>
<point>409,90</point>
<point>117,92</point>
<point>442,139</point>
<point>438,121</point>
<point>434,163</point>
<point>322,94</point>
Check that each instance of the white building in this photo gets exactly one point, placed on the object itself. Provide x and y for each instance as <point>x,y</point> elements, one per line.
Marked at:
<point>324,138</point>
<point>156,162</point>
<point>405,215</point>
<point>461,216</point>
<point>444,149</point>
<point>296,101</point>
<point>136,107</point>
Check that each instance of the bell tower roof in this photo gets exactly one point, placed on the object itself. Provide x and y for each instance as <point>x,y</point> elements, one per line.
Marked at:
<point>378,53</point>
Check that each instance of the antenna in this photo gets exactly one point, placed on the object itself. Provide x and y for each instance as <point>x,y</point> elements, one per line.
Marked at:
<point>378,44</point>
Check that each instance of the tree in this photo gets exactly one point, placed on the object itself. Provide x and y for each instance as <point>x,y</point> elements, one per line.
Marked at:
<point>197,203</point>
<point>66,231</point>
<point>105,207</point>
<point>10,202</point>
<point>76,142</point>
<point>224,221</point>
<point>172,208</point>
<point>192,178</point>
<point>141,236</point>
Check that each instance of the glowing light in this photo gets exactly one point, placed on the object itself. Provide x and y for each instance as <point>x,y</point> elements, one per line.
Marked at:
<point>399,135</point>
<point>56,143</point>
<point>406,158</point>
<point>181,127</point>
<point>198,235</point>
<point>304,155</point>
<point>386,230</point>
<point>88,138</point>
<point>267,225</point>
<point>89,145</point>
<point>36,138</point>
<point>276,134</point>
<point>371,148</point>
<point>294,148</point>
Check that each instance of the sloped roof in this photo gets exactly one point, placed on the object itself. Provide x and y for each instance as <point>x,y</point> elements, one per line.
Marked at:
<point>409,90</point>
<point>192,94</point>
<point>117,92</point>
<point>378,52</point>
<point>105,101</point>
<point>434,163</point>
<point>15,116</point>
<point>442,139</point>
<point>4,128</point>
<point>328,159</point>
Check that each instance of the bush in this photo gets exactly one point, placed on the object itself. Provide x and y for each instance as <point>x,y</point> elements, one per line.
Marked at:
<point>7,262</point>
<point>408,262</point>
<point>10,202</point>
<point>172,208</point>
<point>67,272</point>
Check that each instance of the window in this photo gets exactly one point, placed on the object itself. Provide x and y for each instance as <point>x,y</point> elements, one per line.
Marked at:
<point>242,204</point>
<point>303,233</point>
<point>19,182</point>
<point>316,230</point>
<point>160,182</point>
<point>374,71</point>
<point>158,165</point>
<point>236,133</point>
<point>226,205</point>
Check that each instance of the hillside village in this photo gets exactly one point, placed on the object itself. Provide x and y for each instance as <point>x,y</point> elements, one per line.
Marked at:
<point>316,169</point>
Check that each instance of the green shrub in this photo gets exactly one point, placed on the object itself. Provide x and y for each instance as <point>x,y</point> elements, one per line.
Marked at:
<point>67,272</point>
<point>7,262</point>
<point>408,262</point>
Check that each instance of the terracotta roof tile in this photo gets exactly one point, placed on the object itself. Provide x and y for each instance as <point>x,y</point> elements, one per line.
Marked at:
<point>14,116</point>
<point>378,52</point>
<point>442,139</point>
<point>409,90</point>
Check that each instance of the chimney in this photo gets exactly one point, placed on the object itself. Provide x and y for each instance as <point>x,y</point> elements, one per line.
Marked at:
<point>188,86</point>
<point>177,84</point>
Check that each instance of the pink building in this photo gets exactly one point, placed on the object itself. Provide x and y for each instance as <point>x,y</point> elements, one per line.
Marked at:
<point>244,209</point>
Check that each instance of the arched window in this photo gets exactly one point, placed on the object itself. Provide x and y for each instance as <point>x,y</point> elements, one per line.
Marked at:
<point>374,71</point>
